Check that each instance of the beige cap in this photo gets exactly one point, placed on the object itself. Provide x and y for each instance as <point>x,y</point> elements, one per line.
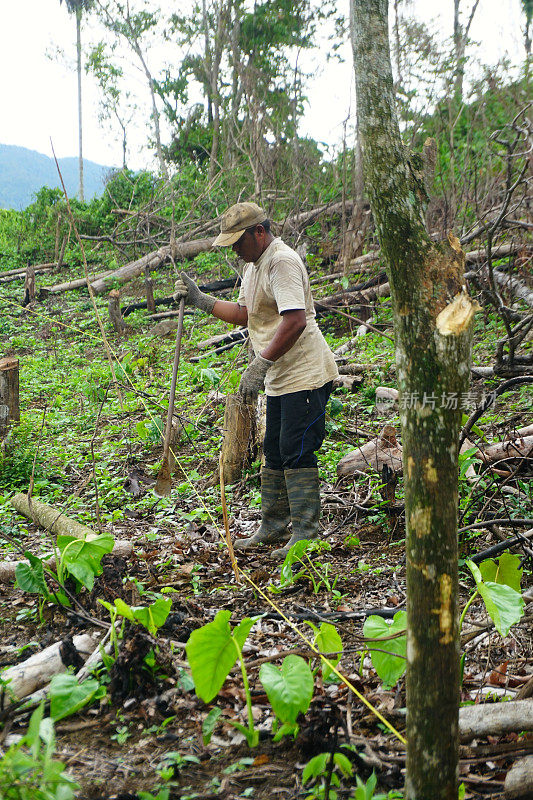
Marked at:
<point>235,221</point>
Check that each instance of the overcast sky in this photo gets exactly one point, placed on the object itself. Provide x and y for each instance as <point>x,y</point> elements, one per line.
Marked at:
<point>38,95</point>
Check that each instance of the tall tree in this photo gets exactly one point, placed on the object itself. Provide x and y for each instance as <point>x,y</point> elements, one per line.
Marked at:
<point>460,38</point>
<point>527,8</point>
<point>132,25</point>
<point>77,7</point>
<point>432,320</point>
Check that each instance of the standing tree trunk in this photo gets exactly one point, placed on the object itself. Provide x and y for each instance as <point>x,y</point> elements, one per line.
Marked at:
<point>433,345</point>
<point>80,137</point>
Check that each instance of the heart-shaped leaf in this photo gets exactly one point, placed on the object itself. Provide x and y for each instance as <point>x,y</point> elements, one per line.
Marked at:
<point>506,570</point>
<point>67,696</point>
<point>82,557</point>
<point>212,651</point>
<point>289,689</point>
<point>388,657</point>
<point>328,641</point>
<point>30,576</point>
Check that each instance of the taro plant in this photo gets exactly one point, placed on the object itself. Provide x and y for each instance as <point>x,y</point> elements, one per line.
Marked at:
<point>498,584</point>
<point>389,646</point>
<point>151,617</point>
<point>76,558</point>
<point>67,696</point>
<point>212,650</point>
<point>327,640</point>
<point>316,572</point>
<point>289,690</point>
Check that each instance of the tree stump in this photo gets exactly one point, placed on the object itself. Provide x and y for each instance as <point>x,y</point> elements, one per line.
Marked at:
<point>29,287</point>
<point>238,425</point>
<point>149,290</point>
<point>9,393</point>
<point>115,314</point>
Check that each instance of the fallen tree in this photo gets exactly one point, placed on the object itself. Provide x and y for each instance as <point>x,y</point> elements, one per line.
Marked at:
<point>495,718</point>
<point>182,251</point>
<point>23,679</point>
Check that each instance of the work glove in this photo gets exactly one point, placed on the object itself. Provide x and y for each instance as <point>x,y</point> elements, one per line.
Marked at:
<point>253,378</point>
<point>186,288</point>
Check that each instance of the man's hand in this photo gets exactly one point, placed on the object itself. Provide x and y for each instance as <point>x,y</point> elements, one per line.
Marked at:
<point>186,288</point>
<point>253,378</point>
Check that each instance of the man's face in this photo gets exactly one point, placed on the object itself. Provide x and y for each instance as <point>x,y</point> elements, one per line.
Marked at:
<point>251,244</point>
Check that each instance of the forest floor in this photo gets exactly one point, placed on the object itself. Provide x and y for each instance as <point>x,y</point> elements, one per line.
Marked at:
<point>145,735</point>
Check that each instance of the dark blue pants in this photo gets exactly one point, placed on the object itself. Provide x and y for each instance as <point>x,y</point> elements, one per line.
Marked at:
<point>295,428</point>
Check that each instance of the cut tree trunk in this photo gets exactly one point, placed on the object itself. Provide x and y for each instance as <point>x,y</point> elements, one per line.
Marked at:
<point>115,316</point>
<point>182,251</point>
<point>433,350</point>
<point>149,291</point>
<point>519,779</point>
<point>9,393</point>
<point>24,679</point>
<point>495,718</point>
<point>50,518</point>
<point>373,455</point>
<point>238,427</point>
<point>29,287</point>
<point>78,283</point>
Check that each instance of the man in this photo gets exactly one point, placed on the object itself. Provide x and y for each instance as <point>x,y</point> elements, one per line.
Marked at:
<point>293,364</point>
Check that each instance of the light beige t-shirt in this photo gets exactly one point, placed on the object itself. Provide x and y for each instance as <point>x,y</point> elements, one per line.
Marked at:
<point>278,282</point>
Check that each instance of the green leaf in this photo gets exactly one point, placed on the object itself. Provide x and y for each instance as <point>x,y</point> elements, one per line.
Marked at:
<point>67,696</point>
<point>30,577</point>
<point>209,724</point>
<point>241,631</point>
<point>507,571</point>
<point>289,689</point>
<point>295,554</point>
<point>315,767</point>
<point>82,557</point>
<point>329,641</point>
<point>504,606</point>
<point>154,615</point>
<point>211,653</point>
<point>389,665</point>
<point>344,764</point>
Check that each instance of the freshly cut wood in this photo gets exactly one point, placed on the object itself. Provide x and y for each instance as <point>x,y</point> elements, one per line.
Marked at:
<point>491,719</point>
<point>373,455</point>
<point>8,569</point>
<point>58,288</point>
<point>519,779</point>
<point>182,251</point>
<point>24,679</point>
<point>350,382</point>
<point>386,397</point>
<point>238,426</point>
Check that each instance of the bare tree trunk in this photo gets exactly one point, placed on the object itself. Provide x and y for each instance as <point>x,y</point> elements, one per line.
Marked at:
<point>114,311</point>
<point>80,127</point>
<point>149,290</point>
<point>433,344</point>
<point>9,393</point>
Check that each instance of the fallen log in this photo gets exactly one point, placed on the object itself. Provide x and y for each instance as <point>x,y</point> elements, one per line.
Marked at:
<point>182,251</point>
<point>384,450</point>
<point>22,270</point>
<point>307,217</point>
<point>78,283</point>
<point>350,382</point>
<point>519,780</point>
<point>490,719</point>
<point>353,298</point>
<point>496,549</point>
<point>520,447</point>
<point>515,286</point>
<point>24,679</point>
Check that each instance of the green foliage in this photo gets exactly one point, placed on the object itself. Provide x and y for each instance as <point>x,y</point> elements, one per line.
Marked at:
<point>81,558</point>
<point>17,457</point>
<point>317,770</point>
<point>212,650</point>
<point>67,696</point>
<point>504,604</point>
<point>28,770</point>
<point>151,617</point>
<point>289,690</point>
<point>327,640</point>
<point>388,655</point>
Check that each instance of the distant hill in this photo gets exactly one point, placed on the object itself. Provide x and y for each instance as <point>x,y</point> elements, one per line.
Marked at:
<point>23,172</point>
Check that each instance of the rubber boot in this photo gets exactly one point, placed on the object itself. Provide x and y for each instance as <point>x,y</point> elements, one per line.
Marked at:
<point>275,513</point>
<point>303,489</point>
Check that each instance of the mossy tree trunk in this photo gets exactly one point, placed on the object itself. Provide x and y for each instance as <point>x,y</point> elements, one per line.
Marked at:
<point>433,344</point>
